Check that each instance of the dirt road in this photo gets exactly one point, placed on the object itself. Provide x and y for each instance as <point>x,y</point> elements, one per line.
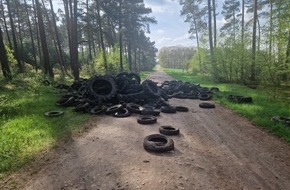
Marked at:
<point>217,149</point>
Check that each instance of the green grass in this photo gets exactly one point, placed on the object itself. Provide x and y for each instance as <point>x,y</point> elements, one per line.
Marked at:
<point>265,106</point>
<point>144,74</point>
<point>24,130</point>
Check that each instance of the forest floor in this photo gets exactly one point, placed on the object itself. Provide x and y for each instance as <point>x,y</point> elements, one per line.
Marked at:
<point>217,149</point>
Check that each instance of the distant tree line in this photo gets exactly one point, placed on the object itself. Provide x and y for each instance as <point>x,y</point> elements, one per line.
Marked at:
<point>252,46</point>
<point>105,36</point>
<point>175,56</point>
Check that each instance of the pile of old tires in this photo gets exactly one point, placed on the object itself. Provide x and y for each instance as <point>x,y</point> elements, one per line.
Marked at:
<point>124,94</point>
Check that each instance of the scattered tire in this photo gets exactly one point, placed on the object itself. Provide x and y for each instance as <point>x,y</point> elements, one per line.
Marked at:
<point>146,119</point>
<point>134,108</point>
<point>98,110</point>
<point>150,88</point>
<point>84,107</point>
<point>240,99</point>
<point>181,108</point>
<point>102,87</point>
<point>124,112</point>
<point>113,109</point>
<point>204,97</point>
<point>206,105</point>
<point>284,120</point>
<point>66,102</point>
<point>158,143</point>
<point>168,109</point>
<point>168,130</point>
<point>53,113</point>
<point>150,112</point>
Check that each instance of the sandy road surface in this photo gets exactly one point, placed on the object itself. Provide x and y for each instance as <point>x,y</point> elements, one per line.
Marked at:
<point>217,149</point>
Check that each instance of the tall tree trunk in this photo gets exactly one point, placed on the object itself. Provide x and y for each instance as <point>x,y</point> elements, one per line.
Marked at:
<point>75,53</point>
<point>20,36</point>
<point>254,39</point>
<point>101,36</point>
<point>56,33</point>
<point>31,36</point>
<point>129,53</point>
<point>4,59</point>
<point>288,50</point>
<point>210,30</point>
<point>120,35</point>
<point>47,67</point>
<point>16,50</point>
<point>37,33</point>
<point>242,77</point>
<point>214,23</point>
<point>5,25</point>
<point>271,28</point>
<point>197,43</point>
<point>89,33</point>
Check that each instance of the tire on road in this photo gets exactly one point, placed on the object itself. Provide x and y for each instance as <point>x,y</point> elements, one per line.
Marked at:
<point>168,130</point>
<point>158,143</point>
<point>206,105</point>
<point>146,119</point>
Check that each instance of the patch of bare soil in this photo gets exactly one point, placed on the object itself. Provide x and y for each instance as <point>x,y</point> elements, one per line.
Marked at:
<point>217,149</point>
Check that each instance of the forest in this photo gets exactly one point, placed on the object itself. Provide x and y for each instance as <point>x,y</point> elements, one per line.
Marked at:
<point>251,47</point>
<point>66,38</point>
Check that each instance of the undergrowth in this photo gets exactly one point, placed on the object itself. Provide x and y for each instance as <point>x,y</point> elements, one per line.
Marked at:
<point>24,130</point>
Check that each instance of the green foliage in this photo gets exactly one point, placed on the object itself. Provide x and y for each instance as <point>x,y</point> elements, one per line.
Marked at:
<point>175,57</point>
<point>11,58</point>
<point>260,112</point>
<point>24,130</point>
<point>113,59</point>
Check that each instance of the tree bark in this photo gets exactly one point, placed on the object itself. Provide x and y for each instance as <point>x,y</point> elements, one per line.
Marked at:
<point>288,50</point>
<point>120,35</point>
<point>101,36</point>
<point>31,36</point>
<point>75,53</point>
<point>5,25</point>
<point>254,39</point>
<point>210,30</point>
<point>214,24</point>
<point>59,48</point>
<point>47,67</point>
<point>15,44</point>
<point>4,59</point>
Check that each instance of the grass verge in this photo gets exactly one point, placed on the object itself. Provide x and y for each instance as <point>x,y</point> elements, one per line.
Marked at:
<point>24,130</point>
<point>259,113</point>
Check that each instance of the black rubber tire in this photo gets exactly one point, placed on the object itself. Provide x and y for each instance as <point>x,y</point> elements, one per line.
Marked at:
<point>214,89</point>
<point>158,143</point>
<point>168,109</point>
<point>124,112</point>
<point>135,77</point>
<point>205,97</point>
<point>206,105</point>
<point>181,108</point>
<point>146,119</point>
<point>245,99</point>
<point>240,99</point>
<point>83,107</point>
<point>168,130</point>
<point>102,87</point>
<point>150,112</point>
<point>66,102</point>
<point>150,88</point>
<point>53,113</point>
<point>281,119</point>
<point>98,110</point>
<point>113,109</point>
<point>134,108</point>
